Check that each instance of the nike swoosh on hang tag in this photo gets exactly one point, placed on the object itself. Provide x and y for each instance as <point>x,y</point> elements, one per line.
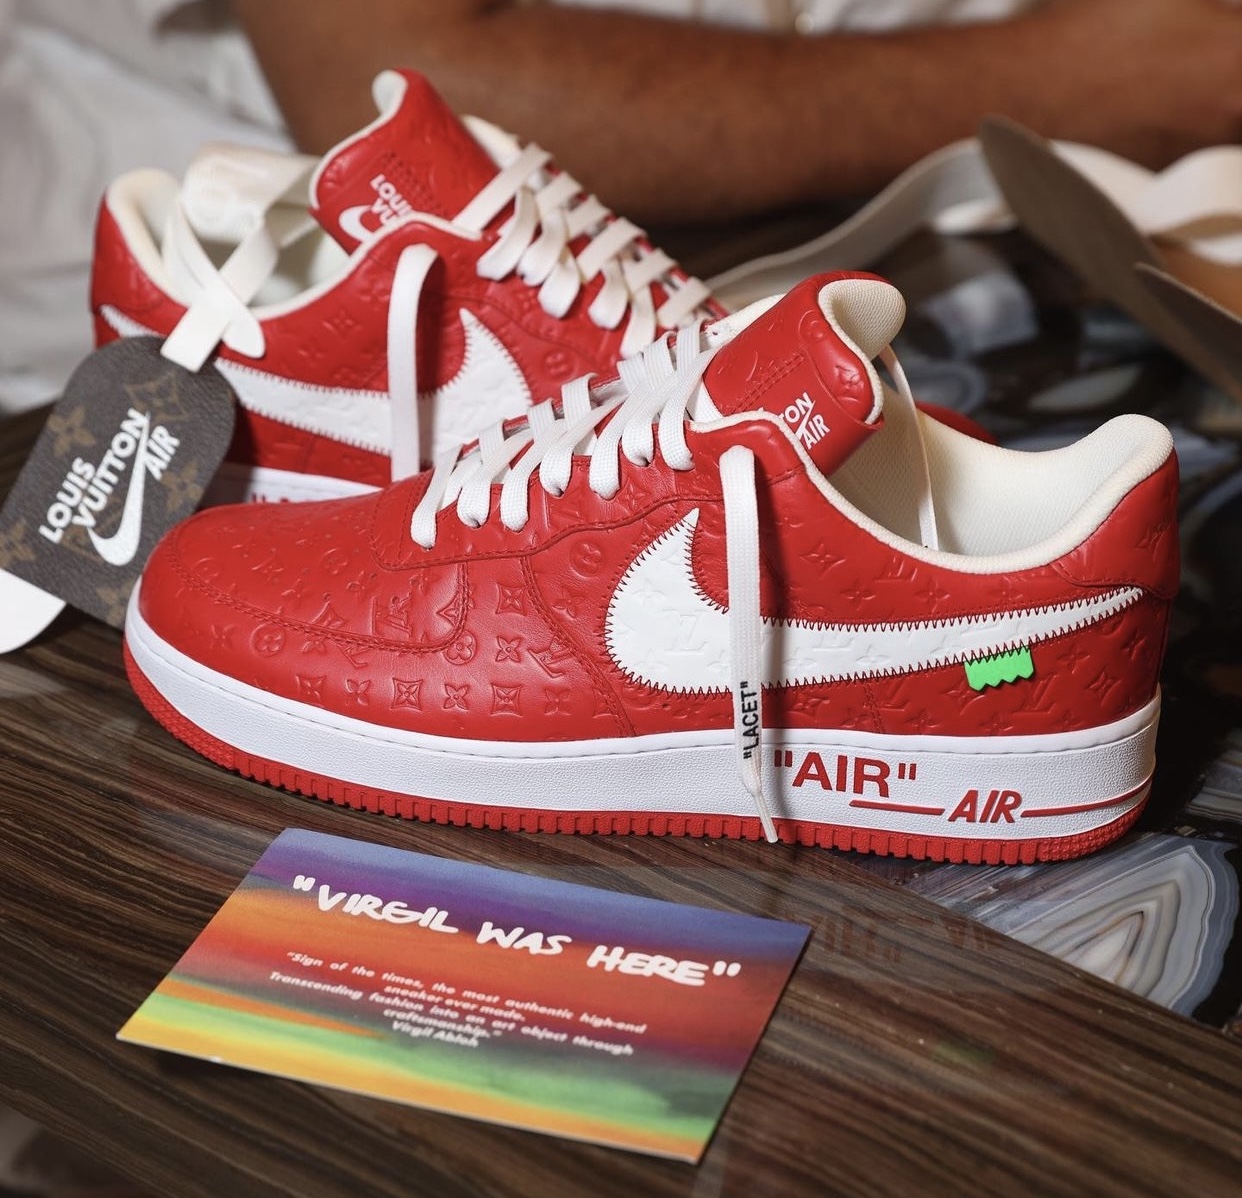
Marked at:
<point>119,548</point>
<point>662,630</point>
<point>488,386</point>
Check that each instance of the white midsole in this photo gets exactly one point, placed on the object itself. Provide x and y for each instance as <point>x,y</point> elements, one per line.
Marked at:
<point>237,483</point>
<point>1003,787</point>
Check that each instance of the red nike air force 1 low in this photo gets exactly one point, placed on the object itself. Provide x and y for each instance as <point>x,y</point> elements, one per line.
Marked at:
<point>743,587</point>
<point>445,276</point>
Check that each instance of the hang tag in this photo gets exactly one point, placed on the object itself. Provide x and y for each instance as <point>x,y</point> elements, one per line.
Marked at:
<point>126,453</point>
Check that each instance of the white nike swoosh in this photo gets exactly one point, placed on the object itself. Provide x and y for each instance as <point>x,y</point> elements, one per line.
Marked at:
<point>662,630</point>
<point>120,547</point>
<point>350,221</point>
<point>489,386</point>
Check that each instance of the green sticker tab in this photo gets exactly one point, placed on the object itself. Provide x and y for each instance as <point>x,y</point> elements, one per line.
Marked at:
<point>1003,667</point>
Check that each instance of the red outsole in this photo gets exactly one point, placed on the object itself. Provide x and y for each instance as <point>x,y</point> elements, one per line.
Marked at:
<point>515,819</point>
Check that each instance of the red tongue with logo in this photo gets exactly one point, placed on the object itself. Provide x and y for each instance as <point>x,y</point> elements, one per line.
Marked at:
<point>808,358</point>
<point>415,156</point>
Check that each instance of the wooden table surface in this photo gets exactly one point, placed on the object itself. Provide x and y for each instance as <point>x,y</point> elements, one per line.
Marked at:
<point>914,1052</point>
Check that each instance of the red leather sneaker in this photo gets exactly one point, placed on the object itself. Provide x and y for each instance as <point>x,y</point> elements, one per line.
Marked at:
<point>443,262</point>
<point>743,586</point>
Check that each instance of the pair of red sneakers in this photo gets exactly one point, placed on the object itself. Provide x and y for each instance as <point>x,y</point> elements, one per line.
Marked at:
<point>737,582</point>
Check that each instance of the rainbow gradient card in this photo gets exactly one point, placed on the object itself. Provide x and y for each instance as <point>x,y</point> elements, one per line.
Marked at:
<point>499,996</point>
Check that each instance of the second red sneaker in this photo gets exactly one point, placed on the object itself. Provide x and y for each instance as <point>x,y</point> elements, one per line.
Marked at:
<point>449,277</point>
<point>742,587</point>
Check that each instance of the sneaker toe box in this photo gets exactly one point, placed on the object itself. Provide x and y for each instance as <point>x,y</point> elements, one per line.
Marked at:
<point>235,588</point>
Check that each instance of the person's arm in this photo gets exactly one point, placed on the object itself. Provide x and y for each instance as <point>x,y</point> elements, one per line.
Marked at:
<point>672,121</point>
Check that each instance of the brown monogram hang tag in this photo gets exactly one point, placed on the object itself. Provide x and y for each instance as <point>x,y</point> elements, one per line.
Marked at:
<point>125,455</point>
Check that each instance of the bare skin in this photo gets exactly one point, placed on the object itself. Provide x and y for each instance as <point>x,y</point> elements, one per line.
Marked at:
<point>675,122</point>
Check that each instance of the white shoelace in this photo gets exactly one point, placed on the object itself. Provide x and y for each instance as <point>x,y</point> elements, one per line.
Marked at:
<point>647,404</point>
<point>218,297</point>
<point>550,212</point>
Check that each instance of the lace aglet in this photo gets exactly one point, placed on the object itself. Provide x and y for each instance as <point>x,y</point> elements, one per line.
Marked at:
<point>754,784</point>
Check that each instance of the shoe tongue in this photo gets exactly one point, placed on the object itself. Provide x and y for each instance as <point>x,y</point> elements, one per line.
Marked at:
<point>230,190</point>
<point>807,358</point>
<point>235,204</point>
<point>416,156</point>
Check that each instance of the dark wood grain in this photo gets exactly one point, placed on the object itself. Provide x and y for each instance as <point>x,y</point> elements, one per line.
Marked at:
<point>914,1052</point>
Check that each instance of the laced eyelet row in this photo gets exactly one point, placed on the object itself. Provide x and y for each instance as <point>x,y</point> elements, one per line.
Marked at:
<point>550,213</point>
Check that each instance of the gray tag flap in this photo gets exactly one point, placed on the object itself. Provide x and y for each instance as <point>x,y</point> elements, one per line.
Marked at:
<point>126,453</point>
